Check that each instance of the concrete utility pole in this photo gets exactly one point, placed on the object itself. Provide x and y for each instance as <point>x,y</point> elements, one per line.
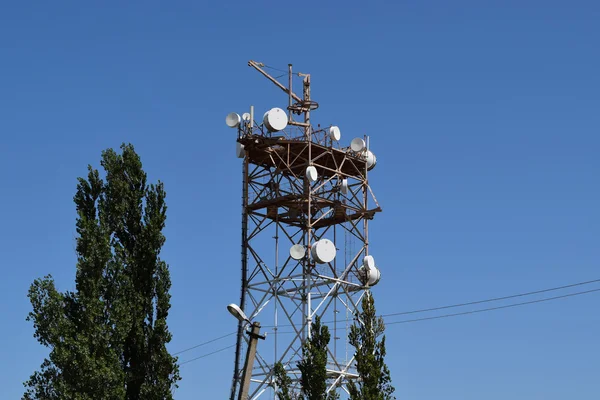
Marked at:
<point>254,334</point>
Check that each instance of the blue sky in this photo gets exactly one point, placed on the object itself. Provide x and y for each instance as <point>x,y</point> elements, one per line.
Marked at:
<point>483,115</point>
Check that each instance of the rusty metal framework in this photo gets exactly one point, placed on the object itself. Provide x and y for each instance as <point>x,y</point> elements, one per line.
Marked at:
<point>280,208</point>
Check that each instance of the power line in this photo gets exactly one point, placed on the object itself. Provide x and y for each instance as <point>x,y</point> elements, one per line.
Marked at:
<point>204,343</point>
<point>428,310</point>
<point>493,299</point>
<point>476,311</point>
<point>207,354</point>
<point>492,308</point>
<point>416,319</point>
<point>474,302</point>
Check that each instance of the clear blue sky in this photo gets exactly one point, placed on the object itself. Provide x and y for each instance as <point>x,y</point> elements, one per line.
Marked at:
<point>484,116</point>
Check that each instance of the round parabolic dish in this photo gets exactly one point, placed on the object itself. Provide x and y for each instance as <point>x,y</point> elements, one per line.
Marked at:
<point>311,173</point>
<point>373,275</point>
<point>275,119</point>
<point>371,160</point>
<point>369,262</point>
<point>334,133</point>
<point>297,252</point>
<point>357,144</point>
<point>233,120</point>
<point>369,277</point>
<point>246,116</point>
<point>323,251</point>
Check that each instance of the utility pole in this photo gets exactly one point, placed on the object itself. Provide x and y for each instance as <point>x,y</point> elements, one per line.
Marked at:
<point>254,334</point>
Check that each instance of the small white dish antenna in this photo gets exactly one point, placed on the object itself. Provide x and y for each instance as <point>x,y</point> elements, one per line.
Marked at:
<point>369,262</point>
<point>373,276</point>
<point>311,173</point>
<point>246,117</point>
<point>334,133</point>
<point>344,186</point>
<point>233,120</point>
<point>239,150</point>
<point>369,273</point>
<point>371,160</point>
<point>297,252</point>
<point>357,145</point>
<point>275,119</point>
<point>323,251</point>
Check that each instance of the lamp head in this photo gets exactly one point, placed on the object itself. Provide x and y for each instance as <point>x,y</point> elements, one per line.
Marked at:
<point>237,313</point>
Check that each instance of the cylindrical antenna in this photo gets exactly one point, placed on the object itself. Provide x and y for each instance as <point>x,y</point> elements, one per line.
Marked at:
<point>290,92</point>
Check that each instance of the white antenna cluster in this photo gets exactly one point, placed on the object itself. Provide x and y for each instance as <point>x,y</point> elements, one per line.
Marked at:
<point>370,274</point>
<point>276,120</point>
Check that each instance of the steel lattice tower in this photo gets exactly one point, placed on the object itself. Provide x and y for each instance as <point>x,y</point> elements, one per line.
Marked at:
<point>282,206</point>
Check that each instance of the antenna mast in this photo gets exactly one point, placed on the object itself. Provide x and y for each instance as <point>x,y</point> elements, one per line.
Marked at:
<point>299,186</point>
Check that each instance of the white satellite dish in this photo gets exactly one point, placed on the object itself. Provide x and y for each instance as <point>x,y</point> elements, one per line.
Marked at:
<point>344,186</point>
<point>323,251</point>
<point>357,144</point>
<point>371,160</point>
<point>233,120</point>
<point>275,119</point>
<point>373,276</point>
<point>297,252</point>
<point>334,133</point>
<point>311,173</point>
<point>246,117</point>
<point>369,277</point>
<point>239,150</point>
<point>369,262</point>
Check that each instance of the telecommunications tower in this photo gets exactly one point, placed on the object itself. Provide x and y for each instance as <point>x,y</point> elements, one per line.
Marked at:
<point>306,203</point>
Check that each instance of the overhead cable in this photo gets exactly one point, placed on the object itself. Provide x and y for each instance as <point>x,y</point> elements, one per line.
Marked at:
<point>205,343</point>
<point>429,310</point>
<point>493,299</point>
<point>207,354</point>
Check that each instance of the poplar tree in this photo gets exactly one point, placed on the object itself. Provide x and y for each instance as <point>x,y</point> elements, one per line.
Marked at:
<point>283,383</point>
<point>107,338</point>
<point>365,336</point>
<point>313,368</point>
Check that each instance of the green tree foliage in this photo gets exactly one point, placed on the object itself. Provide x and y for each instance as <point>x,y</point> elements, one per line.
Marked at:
<point>283,382</point>
<point>313,368</point>
<point>107,339</point>
<point>374,381</point>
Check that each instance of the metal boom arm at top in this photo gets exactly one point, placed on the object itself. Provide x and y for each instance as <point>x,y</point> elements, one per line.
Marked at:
<point>257,66</point>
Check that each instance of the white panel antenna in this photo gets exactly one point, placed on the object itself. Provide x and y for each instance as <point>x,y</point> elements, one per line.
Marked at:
<point>240,152</point>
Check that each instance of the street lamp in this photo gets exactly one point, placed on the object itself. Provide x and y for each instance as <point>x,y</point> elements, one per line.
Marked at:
<point>254,334</point>
<point>237,312</point>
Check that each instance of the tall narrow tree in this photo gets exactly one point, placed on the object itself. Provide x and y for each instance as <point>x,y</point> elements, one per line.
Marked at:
<point>374,381</point>
<point>283,383</point>
<point>313,368</point>
<point>107,339</point>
